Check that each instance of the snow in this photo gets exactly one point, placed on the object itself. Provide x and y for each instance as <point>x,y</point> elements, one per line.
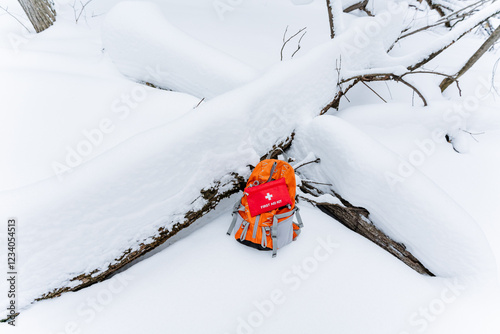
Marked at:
<point>156,183</point>
<point>96,162</point>
<point>209,283</point>
<point>145,47</point>
<point>432,226</point>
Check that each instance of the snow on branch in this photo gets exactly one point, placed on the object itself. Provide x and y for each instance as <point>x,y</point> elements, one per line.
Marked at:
<point>335,17</point>
<point>420,58</point>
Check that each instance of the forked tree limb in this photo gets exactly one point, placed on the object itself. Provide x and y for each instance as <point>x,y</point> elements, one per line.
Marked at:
<point>285,41</point>
<point>373,77</point>
<point>461,33</point>
<point>449,20</point>
<point>361,6</point>
<point>479,18</point>
<point>335,103</point>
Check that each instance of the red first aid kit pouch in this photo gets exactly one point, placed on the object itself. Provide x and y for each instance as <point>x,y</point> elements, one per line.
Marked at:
<point>267,197</point>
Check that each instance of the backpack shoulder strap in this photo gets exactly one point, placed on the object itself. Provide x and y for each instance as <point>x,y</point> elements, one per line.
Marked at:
<point>272,171</point>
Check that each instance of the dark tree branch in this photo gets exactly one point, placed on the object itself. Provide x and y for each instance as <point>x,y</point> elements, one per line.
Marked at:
<point>473,59</point>
<point>307,163</point>
<point>374,92</point>
<point>336,100</point>
<point>385,77</point>
<point>330,19</point>
<point>449,20</point>
<point>361,6</point>
<point>438,9</point>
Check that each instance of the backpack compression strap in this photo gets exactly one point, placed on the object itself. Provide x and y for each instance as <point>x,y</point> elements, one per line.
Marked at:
<point>274,229</point>
<point>237,207</point>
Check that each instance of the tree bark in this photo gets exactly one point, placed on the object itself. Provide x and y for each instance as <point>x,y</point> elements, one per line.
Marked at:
<point>438,9</point>
<point>40,13</point>
<point>472,60</point>
<point>330,18</point>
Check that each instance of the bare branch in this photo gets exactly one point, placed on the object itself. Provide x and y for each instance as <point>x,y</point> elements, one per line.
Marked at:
<point>336,100</point>
<point>307,163</point>
<point>298,44</point>
<point>364,83</point>
<point>361,6</point>
<point>473,134</point>
<point>473,59</point>
<point>438,9</point>
<point>82,9</point>
<point>288,40</point>
<point>15,18</point>
<point>449,20</point>
<point>330,18</point>
<point>196,106</point>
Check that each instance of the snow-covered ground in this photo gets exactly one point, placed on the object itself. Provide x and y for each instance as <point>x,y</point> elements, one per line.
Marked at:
<point>95,163</point>
<point>329,280</point>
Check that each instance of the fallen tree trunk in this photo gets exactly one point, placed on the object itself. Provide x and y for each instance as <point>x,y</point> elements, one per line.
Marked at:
<point>213,195</point>
<point>357,219</point>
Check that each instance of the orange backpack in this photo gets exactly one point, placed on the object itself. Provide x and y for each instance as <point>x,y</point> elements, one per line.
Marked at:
<point>271,226</point>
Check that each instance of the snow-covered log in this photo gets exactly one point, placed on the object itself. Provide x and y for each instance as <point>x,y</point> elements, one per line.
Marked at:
<point>402,202</point>
<point>358,220</point>
<point>150,188</point>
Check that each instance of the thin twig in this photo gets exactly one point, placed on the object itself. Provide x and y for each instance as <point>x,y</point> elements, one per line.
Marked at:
<point>448,19</point>
<point>364,83</point>
<point>81,9</point>
<point>15,18</point>
<point>336,100</point>
<point>307,163</point>
<point>284,34</point>
<point>473,134</point>
<point>414,89</point>
<point>493,76</point>
<point>298,45</point>
<point>288,40</point>
<point>383,77</point>
<point>196,106</point>
<point>314,182</point>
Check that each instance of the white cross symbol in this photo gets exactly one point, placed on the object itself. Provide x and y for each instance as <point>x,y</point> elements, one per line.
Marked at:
<point>269,196</point>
